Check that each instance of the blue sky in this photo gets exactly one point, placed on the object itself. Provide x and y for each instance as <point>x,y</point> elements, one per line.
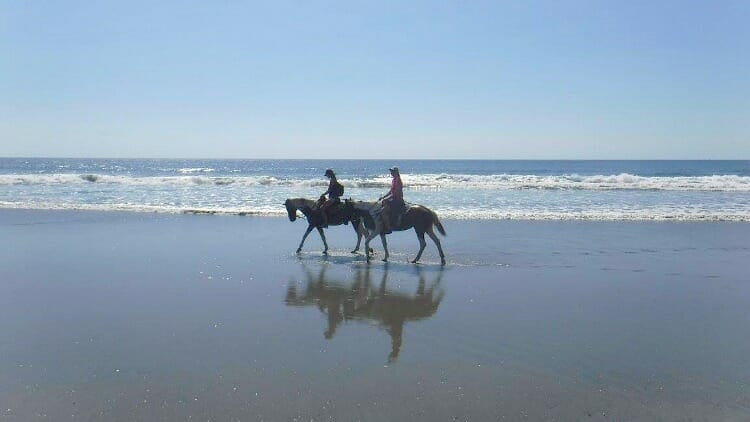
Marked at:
<point>231,79</point>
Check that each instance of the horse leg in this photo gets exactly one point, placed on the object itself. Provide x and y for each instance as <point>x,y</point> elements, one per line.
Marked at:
<point>325,244</point>
<point>358,228</point>
<point>367,243</point>
<point>385,246</point>
<point>363,233</point>
<point>366,233</point>
<point>435,239</point>
<point>309,229</point>
<point>422,244</point>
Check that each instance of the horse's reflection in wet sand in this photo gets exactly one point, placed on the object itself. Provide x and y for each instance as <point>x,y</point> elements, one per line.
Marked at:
<point>359,300</point>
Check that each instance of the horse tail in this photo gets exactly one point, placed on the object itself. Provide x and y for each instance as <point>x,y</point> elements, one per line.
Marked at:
<point>437,223</point>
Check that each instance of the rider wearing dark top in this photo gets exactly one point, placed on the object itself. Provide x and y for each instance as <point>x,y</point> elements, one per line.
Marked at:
<point>334,192</point>
<point>393,201</point>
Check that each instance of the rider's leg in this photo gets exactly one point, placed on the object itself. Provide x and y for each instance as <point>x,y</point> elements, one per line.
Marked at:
<point>324,214</point>
<point>385,216</point>
<point>398,208</point>
<point>324,209</point>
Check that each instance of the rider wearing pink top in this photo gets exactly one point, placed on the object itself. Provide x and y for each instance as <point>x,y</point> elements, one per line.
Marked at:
<point>397,187</point>
<point>393,201</point>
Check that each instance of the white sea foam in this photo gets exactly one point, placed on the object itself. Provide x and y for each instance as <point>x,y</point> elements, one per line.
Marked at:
<point>646,214</point>
<point>500,196</point>
<point>196,170</point>
<point>168,209</point>
<point>622,181</point>
<point>723,183</point>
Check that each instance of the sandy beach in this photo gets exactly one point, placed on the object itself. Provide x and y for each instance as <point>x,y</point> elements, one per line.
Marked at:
<point>589,162</point>
<point>137,317</point>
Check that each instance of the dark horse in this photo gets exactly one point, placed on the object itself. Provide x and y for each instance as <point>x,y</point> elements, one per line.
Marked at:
<point>341,214</point>
<point>421,218</point>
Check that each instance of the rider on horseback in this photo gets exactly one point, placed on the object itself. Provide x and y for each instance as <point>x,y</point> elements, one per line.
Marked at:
<point>393,201</point>
<point>334,192</point>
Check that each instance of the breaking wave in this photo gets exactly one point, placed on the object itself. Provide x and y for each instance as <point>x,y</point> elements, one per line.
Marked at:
<point>195,170</point>
<point>624,181</point>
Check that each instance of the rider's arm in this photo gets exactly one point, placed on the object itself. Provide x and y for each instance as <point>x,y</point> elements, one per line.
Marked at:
<point>330,186</point>
<point>387,195</point>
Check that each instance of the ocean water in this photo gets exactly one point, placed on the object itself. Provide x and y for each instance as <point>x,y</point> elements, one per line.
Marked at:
<point>460,189</point>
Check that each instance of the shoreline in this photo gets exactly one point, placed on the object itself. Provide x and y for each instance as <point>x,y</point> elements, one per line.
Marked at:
<point>449,216</point>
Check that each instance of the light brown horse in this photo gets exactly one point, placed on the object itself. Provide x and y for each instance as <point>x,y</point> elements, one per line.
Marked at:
<point>421,218</point>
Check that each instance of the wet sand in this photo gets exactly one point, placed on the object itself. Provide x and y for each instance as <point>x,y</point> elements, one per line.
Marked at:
<point>118,316</point>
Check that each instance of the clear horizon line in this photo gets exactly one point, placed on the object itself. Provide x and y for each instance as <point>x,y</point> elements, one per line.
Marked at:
<point>366,159</point>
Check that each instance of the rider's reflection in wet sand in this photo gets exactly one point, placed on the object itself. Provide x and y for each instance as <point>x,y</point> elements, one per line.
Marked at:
<point>358,300</point>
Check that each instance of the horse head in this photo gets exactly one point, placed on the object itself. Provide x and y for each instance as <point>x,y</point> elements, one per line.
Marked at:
<point>360,210</point>
<point>291,209</point>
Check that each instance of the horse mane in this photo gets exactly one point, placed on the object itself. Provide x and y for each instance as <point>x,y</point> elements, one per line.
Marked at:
<point>300,203</point>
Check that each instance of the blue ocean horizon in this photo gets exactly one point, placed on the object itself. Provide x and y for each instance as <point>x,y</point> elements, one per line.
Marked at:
<point>465,189</point>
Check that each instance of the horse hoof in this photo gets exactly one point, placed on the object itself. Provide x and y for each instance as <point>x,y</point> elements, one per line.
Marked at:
<point>354,251</point>
<point>298,250</point>
<point>384,259</point>
<point>442,261</point>
<point>414,261</point>
<point>325,253</point>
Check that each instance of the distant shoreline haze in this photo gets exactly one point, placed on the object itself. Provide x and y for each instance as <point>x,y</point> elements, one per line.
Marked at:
<point>369,158</point>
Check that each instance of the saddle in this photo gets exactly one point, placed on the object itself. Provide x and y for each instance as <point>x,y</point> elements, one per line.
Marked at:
<point>333,212</point>
<point>395,214</point>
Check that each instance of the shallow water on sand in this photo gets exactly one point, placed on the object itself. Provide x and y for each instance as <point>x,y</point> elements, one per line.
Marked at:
<point>110,316</point>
